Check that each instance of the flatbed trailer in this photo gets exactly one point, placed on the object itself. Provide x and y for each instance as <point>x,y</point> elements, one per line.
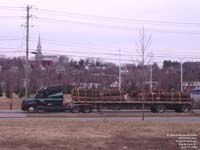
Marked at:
<point>85,100</point>
<point>154,106</point>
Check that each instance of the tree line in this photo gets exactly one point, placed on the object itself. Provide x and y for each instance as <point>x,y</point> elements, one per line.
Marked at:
<point>91,72</point>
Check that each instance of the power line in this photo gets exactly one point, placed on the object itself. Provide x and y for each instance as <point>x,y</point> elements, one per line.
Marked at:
<point>121,27</point>
<point>123,50</point>
<point>10,7</point>
<point>92,53</point>
<point>11,48</point>
<point>82,56</point>
<point>70,44</point>
<point>6,37</point>
<point>130,55</point>
<point>43,19</point>
<point>53,20</point>
<point>104,58</point>
<point>8,17</point>
<point>72,14</point>
<point>10,39</point>
<point>12,51</point>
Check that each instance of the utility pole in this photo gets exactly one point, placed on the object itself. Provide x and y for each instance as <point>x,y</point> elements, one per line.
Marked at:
<point>143,74</point>
<point>181,77</point>
<point>151,73</point>
<point>120,76</point>
<point>151,82</point>
<point>143,71</point>
<point>27,50</point>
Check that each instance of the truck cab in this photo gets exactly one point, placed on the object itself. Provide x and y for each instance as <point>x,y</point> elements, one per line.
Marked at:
<point>48,99</point>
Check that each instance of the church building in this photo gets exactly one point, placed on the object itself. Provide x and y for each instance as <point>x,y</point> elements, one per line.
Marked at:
<point>44,60</point>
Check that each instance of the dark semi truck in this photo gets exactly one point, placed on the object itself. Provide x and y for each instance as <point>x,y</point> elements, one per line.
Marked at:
<point>48,99</point>
<point>87,100</point>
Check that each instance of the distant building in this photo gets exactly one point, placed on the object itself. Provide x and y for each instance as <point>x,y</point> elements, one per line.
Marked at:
<point>114,84</point>
<point>155,85</point>
<point>124,70</point>
<point>87,85</point>
<point>13,69</point>
<point>188,86</point>
<point>195,95</point>
<point>60,69</point>
<point>43,60</point>
<point>1,68</point>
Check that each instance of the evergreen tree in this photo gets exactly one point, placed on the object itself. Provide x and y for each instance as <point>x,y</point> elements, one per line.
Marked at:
<point>21,92</point>
<point>8,94</point>
<point>1,94</point>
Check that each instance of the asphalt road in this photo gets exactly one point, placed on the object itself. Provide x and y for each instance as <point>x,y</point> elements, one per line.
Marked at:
<point>12,114</point>
<point>18,114</point>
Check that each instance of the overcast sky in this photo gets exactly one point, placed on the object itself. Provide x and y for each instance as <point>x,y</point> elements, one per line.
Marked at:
<point>77,28</point>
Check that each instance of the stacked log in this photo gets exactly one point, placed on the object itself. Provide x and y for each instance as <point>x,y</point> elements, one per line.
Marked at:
<point>159,96</point>
<point>84,94</point>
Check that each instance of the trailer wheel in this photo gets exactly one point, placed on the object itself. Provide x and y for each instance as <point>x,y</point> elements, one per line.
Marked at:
<point>185,108</point>
<point>31,109</point>
<point>160,108</point>
<point>75,109</point>
<point>86,109</point>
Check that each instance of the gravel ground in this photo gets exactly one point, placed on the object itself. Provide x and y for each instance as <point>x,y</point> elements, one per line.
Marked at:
<point>93,135</point>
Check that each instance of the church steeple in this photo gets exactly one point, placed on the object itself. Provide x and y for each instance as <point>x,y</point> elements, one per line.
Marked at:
<point>39,47</point>
<point>38,56</point>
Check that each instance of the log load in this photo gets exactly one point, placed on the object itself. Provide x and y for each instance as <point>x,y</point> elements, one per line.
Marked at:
<point>94,94</point>
<point>159,96</point>
<point>113,94</point>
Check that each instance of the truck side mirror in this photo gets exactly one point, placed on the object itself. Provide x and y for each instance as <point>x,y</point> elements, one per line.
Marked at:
<point>36,96</point>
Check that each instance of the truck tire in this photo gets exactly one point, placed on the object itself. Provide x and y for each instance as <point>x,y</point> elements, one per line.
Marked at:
<point>160,108</point>
<point>31,109</point>
<point>86,109</point>
<point>185,108</point>
<point>75,109</point>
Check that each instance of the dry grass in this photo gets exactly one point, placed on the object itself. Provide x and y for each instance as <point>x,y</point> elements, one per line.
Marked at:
<point>108,114</point>
<point>92,135</point>
<point>5,103</point>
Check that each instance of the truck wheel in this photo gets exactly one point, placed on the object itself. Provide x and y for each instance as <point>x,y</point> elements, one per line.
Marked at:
<point>185,108</point>
<point>160,108</point>
<point>31,109</point>
<point>87,109</point>
<point>75,109</point>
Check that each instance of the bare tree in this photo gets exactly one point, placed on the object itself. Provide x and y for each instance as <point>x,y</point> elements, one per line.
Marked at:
<point>143,45</point>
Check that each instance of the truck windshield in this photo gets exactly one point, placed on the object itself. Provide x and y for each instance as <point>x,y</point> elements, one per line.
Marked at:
<point>40,94</point>
<point>50,92</point>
